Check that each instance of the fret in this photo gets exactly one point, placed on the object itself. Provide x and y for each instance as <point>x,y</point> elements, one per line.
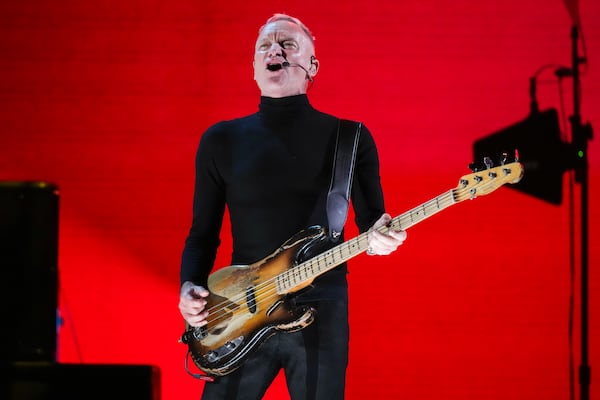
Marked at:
<point>319,264</point>
<point>286,279</point>
<point>345,251</point>
<point>341,251</point>
<point>330,255</point>
<point>312,269</point>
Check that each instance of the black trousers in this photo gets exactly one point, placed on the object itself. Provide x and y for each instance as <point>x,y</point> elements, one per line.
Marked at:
<point>314,361</point>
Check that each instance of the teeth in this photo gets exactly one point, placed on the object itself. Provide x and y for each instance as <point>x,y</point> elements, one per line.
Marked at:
<point>274,67</point>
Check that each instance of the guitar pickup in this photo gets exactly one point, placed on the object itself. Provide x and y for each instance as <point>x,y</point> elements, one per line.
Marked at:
<point>227,348</point>
<point>251,299</point>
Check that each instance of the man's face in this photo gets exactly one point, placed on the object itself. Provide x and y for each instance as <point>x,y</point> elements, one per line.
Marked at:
<point>281,41</point>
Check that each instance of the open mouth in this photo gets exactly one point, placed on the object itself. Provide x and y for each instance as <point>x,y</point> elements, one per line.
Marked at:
<point>274,67</point>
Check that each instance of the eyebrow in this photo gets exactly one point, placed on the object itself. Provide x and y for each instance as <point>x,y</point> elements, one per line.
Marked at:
<point>270,39</point>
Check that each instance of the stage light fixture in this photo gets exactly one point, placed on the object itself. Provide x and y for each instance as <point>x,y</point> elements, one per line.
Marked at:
<point>541,150</point>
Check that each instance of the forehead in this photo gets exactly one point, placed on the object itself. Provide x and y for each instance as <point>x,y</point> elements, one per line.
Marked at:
<point>282,28</point>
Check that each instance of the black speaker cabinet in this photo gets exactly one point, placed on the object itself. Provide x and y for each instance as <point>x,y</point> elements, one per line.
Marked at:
<point>28,270</point>
<point>46,381</point>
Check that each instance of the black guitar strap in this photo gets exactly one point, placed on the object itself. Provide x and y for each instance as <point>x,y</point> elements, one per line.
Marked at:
<point>338,198</point>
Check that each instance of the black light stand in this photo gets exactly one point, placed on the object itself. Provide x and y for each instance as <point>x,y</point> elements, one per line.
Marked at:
<point>581,135</point>
<point>545,158</point>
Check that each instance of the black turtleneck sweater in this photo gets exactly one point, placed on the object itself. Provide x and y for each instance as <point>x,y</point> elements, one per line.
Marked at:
<point>272,171</point>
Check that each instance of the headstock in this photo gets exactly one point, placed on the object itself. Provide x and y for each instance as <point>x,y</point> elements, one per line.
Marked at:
<point>488,178</point>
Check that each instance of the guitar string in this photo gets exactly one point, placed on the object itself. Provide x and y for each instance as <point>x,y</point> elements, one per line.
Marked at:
<point>454,193</point>
<point>269,287</point>
<point>270,291</point>
<point>266,288</point>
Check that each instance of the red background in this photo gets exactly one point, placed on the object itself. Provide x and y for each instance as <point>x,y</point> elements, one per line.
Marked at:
<point>108,99</point>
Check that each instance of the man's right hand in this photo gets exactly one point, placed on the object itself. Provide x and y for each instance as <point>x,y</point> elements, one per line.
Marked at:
<point>192,300</point>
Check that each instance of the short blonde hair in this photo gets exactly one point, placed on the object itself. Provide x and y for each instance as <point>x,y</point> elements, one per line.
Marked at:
<point>285,17</point>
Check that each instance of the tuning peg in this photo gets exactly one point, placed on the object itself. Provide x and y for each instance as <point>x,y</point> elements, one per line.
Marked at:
<point>504,158</point>
<point>488,162</point>
<point>516,154</point>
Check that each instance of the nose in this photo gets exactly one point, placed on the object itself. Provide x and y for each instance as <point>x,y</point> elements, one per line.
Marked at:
<point>275,50</point>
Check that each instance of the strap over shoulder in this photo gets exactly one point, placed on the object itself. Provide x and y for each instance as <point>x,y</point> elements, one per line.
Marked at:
<point>338,198</point>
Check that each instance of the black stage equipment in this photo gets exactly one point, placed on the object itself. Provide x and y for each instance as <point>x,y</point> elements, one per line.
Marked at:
<point>29,270</point>
<point>546,157</point>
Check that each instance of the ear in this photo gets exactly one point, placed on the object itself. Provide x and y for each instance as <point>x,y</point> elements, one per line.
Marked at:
<point>314,66</point>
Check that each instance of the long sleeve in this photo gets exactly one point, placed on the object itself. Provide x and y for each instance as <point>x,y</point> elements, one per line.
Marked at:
<point>367,194</point>
<point>272,170</point>
<point>208,209</point>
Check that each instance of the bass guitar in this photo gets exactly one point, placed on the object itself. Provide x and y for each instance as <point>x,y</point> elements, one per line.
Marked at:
<point>249,303</point>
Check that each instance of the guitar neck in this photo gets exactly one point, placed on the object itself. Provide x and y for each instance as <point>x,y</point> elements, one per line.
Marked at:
<point>307,271</point>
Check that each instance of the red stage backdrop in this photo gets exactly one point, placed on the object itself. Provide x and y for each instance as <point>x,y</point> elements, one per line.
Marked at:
<point>108,99</point>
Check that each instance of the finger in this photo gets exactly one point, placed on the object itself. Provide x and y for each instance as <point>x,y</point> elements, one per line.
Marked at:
<point>193,313</point>
<point>191,306</point>
<point>374,230</point>
<point>384,244</point>
<point>190,310</point>
<point>382,239</point>
<point>197,320</point>
<point>198,292</point>
<point>382,221</point>
<point>399,235</point>
<point>190,289</point>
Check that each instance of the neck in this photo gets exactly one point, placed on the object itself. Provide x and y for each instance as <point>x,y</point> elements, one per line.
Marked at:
<point>277,94</point>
